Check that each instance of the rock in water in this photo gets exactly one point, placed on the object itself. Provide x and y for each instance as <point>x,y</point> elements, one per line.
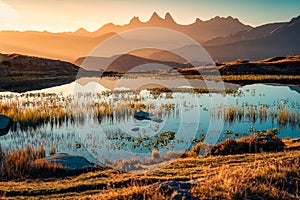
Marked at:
<point>157,120</point>
<point>4,124</point>
<point>142,115</point>
<point>135,129</point>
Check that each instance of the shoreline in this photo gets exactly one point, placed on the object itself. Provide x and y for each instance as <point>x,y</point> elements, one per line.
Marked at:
<point>22,85</point>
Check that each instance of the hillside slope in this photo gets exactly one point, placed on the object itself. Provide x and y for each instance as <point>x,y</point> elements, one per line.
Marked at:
<point>21,73</point>
<point>124,63</point>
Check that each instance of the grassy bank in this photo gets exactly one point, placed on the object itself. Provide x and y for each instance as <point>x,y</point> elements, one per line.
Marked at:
<point>250,176</point>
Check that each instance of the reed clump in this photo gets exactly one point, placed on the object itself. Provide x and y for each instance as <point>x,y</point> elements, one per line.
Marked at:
<point>263,112</point>
<point>36,110</point>
<point>283,116</point>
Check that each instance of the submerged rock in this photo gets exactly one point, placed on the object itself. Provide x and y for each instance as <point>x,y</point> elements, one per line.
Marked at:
<point>157,120</point>
<point>135,129</point>
<point>4,125</point>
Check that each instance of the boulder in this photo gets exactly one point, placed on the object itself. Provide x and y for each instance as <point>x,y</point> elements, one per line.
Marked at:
<point>4,125</point>
<point>68,161</point>
<point>142,115</point>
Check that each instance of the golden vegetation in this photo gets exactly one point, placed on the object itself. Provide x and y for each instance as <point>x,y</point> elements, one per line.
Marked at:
<point>272,179</point>
<point>25,163</point>
<point>249,77</point>
<point>262,112</point>
<point>257,77</point>
<point>34,110</point>
<point>252,176</point>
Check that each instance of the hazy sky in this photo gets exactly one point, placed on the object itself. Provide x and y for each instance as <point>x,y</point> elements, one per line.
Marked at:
<point>69,15</point>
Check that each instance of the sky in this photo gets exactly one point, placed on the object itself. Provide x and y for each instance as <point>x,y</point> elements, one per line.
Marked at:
<point>70,15</point>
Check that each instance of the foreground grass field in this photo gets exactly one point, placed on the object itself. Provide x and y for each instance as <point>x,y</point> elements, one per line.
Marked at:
<point>247,176</point>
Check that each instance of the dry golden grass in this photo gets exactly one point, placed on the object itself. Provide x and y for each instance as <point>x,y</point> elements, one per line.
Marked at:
<point>20,164</point>
<point>292,144</point>
<point>273,179</point>
<point>250,176</point>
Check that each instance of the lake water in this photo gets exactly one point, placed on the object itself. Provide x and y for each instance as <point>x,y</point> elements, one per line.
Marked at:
<point>189,115</point>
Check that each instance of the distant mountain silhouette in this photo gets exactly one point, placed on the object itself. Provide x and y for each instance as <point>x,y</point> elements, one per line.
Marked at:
<point>71,45</point>
<point>278,39</point>
<point>255,33</point>
<point>199,30</point>
<point>225,39</point>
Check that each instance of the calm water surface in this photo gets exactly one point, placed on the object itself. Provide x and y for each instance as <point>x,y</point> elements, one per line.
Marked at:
<point>191,116</point>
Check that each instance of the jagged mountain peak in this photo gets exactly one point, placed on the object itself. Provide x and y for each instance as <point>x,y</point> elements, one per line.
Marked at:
<point>169,18</point>
<point>198,20</point>
<point>228,18</point>
<point>135,19</point>
<point>155,17</point>
<point>81,30</point>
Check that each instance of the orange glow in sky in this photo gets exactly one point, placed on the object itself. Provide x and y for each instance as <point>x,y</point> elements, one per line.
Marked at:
<point>70,15</point>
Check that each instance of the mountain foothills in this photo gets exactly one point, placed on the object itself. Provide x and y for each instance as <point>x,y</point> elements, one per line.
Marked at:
<point>225,39</point>
<point>125,63</point>
<point>19,73</point>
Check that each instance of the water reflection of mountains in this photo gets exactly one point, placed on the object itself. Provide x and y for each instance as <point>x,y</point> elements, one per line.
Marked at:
<point>295,88</point>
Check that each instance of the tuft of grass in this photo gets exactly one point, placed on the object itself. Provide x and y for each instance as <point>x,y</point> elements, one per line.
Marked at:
<point>265,141</point>
<point>283,115</point>
<point>259,142</point>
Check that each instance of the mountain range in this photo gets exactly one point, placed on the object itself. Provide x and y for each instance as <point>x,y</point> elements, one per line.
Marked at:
<point>199,30</point>
<point>225,39</point>
<point>275,39</point>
